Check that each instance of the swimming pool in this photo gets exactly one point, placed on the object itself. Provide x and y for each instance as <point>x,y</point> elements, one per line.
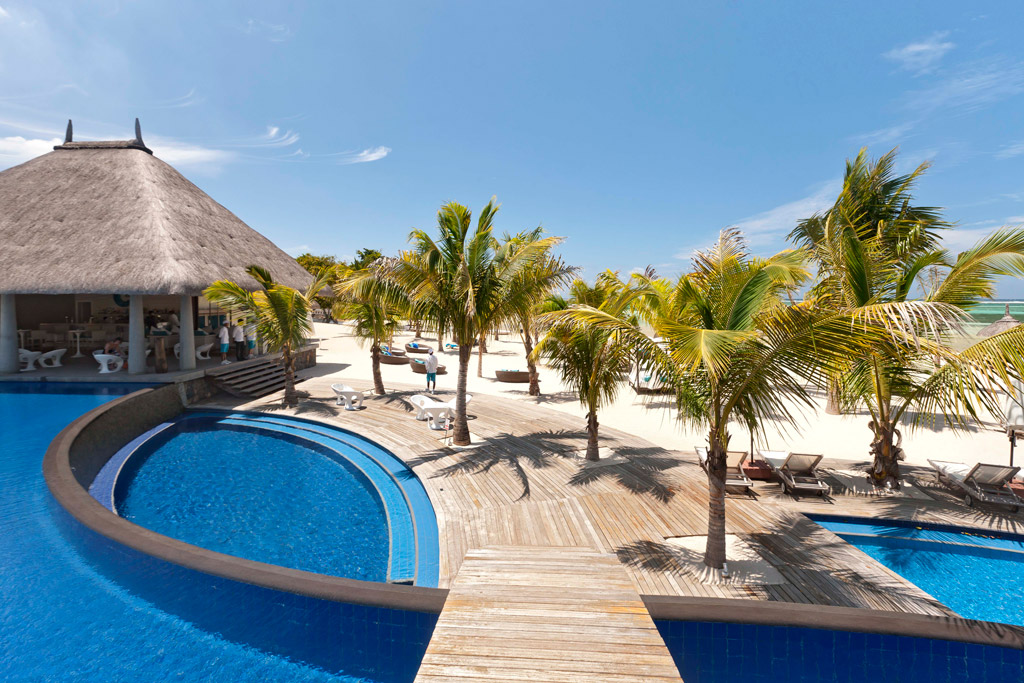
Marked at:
<point>63,619</point>
<point>977,575</point>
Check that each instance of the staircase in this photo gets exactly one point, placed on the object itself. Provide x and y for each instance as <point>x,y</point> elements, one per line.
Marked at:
<point>249,378</point>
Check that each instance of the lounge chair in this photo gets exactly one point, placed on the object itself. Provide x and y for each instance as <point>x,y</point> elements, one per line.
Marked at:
<point>347,395</point>
<point>734,475</point>
<point>414,347</point>
<point>981,483</point>
<point>177,350</point>
<point>203,352</point>
<point>388,351</point>
<point>28,359</point>
<point>108,362</point>
<point>451,347</point>
<point>797,472</point>
<point>51,359</point>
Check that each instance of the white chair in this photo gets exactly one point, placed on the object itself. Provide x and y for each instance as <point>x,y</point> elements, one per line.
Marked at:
<point>108,362</point>
<point>177,350</point>
<point>28,359</point>
<point>437,415</point>
<point>51,359</point>
<point>203,352</point>
<point>347,395</point>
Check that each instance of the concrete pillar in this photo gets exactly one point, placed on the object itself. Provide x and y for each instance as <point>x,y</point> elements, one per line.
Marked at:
<point>188,334</point>
<point>8,335</point>
<point>136,336</point>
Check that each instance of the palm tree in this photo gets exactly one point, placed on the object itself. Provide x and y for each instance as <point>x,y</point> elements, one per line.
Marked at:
<point>375,306</point>
<point>733,348</point>
<point>880,257</point>
<point>463,283</point>
<point>592,362</point>
<point>548,273</point>
<point>282,314</point>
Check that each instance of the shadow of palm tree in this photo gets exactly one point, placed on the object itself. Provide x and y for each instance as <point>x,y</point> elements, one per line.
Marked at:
<point>307,405</point>
<point>653,557</point>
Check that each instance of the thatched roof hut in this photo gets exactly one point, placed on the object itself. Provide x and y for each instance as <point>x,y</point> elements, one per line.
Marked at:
<point>111,218</point>
<point>1007,322</point>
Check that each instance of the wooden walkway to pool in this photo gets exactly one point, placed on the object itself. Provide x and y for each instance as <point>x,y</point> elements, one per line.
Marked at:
<point>523,486</point>
<point>517,613</point>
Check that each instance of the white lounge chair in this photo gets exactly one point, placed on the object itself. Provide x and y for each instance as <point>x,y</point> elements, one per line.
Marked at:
<point>177,350</point>
<point>734,474</point>
<point>51,359</point>
<point>108,362</point>
<point>28,359</point>
<point>203,352</point>
<point>347,395</point>
<point>981,483</point>
<point>797,472</point>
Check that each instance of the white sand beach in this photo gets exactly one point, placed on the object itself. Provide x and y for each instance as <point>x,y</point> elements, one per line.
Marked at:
<point>844,437</point>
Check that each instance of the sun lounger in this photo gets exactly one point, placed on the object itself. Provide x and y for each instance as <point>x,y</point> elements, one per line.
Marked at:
<point>388,351</point>
<point>981,483</point>
<point>414,347</point>
<point>51,359</point>
<point>797,471</point>
<point>734,475</point>
<point>348,395</point>
<point>28,359</point>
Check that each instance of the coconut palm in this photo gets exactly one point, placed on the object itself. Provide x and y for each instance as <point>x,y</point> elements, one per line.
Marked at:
<point>282,315</point>
<point>463,283</point>
<point>733,349</point>
<point>375,307</point>
<point>879,257</point>
<point>548,273</point>
<point>591,362</point>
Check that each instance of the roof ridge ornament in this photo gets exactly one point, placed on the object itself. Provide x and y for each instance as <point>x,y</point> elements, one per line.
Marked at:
<point>138,133</point>
<point>67,135</point>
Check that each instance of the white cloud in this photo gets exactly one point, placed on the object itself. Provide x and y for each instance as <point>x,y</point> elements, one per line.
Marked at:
<point>921,57</point>
<point>184,155</point>
<point>296,251</point>
<point>971,87</point>
<point>367,155</point>
<point>275,138</point>
<point>775,223</point>
<point>884,136</point>
<point>16,150</point>
<point>275,33</point>
<point>1012,150</point>
<point>187,100</point>
<point>4,14</point>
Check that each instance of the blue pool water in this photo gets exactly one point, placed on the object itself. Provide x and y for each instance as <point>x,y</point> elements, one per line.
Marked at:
<point>977,576</point>
<point>256,495</point>
<point>62,619</point>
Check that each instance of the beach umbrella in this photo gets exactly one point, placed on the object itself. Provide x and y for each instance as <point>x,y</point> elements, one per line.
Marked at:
<point>1007,322</point>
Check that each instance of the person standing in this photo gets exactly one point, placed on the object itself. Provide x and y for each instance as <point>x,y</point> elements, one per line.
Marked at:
<point>250,338</point>
<point>224,337</point>
<point>238,335</point>
<point>431,366</point>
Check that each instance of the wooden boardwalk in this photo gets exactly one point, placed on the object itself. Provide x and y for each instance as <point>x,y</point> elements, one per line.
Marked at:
<point>544,613</point>
<point>522,486</point>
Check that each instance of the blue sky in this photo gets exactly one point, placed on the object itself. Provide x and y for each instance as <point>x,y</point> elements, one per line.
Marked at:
<point>636,130</point>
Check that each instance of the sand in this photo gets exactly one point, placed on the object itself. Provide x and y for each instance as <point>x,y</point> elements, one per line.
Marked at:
<point>845,437</point>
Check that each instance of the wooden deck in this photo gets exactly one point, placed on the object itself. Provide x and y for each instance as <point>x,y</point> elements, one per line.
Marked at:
<point>541,613</point>
<point>523,487</point>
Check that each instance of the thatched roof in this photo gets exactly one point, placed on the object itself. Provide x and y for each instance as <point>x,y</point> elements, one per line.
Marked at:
<point>111,218</point>
<point>1007,322</point>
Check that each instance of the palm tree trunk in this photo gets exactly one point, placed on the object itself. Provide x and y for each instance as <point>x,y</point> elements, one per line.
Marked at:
<point>886,452</point>
<point>461,433</point>
<point>530,365</point>
<point>480,355</point>
<point>832,393</point>
<point>290,397</point>
<point>378,381</point>
<point>593,453</point>
<point>714,554</point>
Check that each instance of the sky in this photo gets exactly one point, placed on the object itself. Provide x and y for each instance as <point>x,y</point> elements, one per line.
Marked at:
<point>635,130</point>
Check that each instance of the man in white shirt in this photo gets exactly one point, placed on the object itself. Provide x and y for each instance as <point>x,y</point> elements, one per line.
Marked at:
<point>238,335</point>
<point>431,366</point>
<point>224,337</point>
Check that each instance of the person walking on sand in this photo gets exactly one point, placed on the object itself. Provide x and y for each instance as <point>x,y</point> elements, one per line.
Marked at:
<point>431,366</point>
<point>224,337</point>
<point>238,335</point>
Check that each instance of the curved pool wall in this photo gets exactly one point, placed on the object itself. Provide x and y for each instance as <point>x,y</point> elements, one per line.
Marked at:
<point>343,626</point>
<point>412,524</point>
